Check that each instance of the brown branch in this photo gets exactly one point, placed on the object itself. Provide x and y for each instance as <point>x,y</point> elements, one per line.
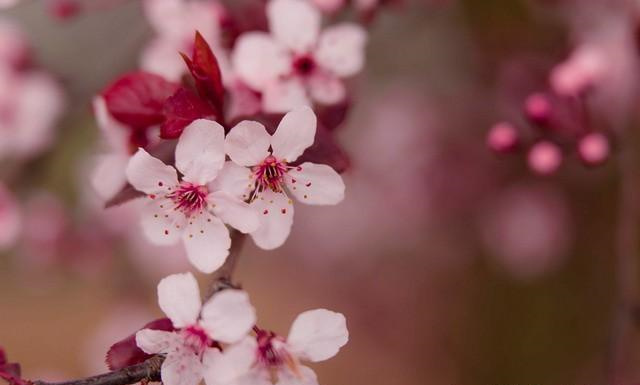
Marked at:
<point>149,370</point>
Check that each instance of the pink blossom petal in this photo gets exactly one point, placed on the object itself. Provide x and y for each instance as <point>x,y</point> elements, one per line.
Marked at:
<point>316,184</point>
<point>329,6</point>
<point>232,365</point>
<point>156,341</point>
<point>327,89</point>
<point>181,367</point>
<point>200,151</point>
<point>341,49</point>
<point>247,144</point>
<point>258,59</point>
<point>148,174</point>
<point>108,177</point>
<point>317,335</point>
<point>161,224</point>
<point>276,216</point>
<point>284,95</point>
<point>179,299</point>
<point>305,376</point>
<point>207,242</point>
<point>296,132</point>
<point>233,179</point>
<point>116,134</point>
<point>234,211</point>
<point>294,23</point>
<point>161,58</point>
<point>228,316</point>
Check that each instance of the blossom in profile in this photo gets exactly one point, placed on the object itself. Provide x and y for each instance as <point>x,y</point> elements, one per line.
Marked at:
<point>227,317</point>
<point>191,209</point>
<point>297,63</point>
<point>263,172</point>
<point>267,358</point>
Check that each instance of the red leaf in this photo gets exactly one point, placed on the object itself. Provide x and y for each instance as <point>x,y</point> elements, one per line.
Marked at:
<point>183,108</point>
<point>205,70</point>
<point>126,353</point>
<point>136,99</point>
<point>10,371</point>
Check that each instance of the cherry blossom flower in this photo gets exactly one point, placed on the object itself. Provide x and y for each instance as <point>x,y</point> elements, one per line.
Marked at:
<point>175,22</point>
<point>265,161</point>
<point>190,209</point>
<point>267,358</point>
<point>296,63</point>
<point>227,318</point>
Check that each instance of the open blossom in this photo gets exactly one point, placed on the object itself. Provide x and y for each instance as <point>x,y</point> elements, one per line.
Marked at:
<point>191,209</point>
<point>266,165</point>
<point>175,22</point>
<point>295,63</point>
<point>267,358</point>
<point>225,318</point>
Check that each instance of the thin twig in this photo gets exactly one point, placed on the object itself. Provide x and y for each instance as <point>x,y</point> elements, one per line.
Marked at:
<point>626,301</point>
<point>149,370</point>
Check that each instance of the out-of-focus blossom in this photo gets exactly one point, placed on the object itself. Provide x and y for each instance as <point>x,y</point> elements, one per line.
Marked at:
<point>193,209</point>
<point>545,157</point>
<point>502,137</point>
<point>175,23</point>
<point>267,159</point>
<point>14,49</point>
<point>527,229</point>
<point>537,107</point>
<point>594,148</point>
<point>315,335</point>
<point>296,64</point>
<point>10,218</point>
<point>225,318</point>
<point>8,3</point>
<point>329,5</point>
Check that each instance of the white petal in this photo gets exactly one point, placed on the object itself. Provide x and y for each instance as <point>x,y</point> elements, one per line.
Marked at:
<point>294,23</point>
<point>179,299</point>
<point>234,211</point>
<point>305,376</point>
<point>275,211</point>
<point>228,316</point>
<point>108,176</point>
<point>247,143</point>
<point>258,59</point>
<point>160,57</point>
<point>116,134</point>
<point>207,242</point>
<point>181,368</point>
<point>233,179</point>
<point>232,365</point>
<point>161,224</point>
<point>317,335</point>
<point>327,88</point>
<point>315,184</point>
<point>283,95</point>
<point>148,174</point>
<point>156,341</point>
<point>341,49</point>
<point>296,132</point>
<point>200,151</point>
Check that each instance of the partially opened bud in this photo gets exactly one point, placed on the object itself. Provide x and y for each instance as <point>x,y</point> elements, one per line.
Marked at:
<point>594,148</point>
<point>545,157</point>
<point>502,137</point>
<point>537,108</point>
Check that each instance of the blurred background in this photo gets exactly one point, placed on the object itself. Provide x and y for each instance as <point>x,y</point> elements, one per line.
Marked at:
<point>453,264</point>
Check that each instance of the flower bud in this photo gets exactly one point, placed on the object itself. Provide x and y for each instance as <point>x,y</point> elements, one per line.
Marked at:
<point>502,138</point>
<point>593,149</point>
<point>545,157</point>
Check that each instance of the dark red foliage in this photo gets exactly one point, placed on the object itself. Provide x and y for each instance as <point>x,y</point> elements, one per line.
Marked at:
<point>137,99</point>
<point>205,70</point>
<point>181,109</point>
<point>10,371</point>
<point>126,353</point>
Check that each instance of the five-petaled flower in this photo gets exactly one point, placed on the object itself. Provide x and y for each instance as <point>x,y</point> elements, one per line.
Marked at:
<point>225,318</point>
<point>296,63</point>
<point>267,358</point>
<point>192,209</point>
<point>264,161</point>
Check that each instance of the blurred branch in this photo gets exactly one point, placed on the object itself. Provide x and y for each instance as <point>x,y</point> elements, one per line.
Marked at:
<point>149,370</point>
<point>626,300</point>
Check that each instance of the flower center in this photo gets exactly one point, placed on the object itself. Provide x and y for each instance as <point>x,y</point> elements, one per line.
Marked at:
<point>270,174</point>
<point>197,339</point>
<point>189,198</point>
<point>273,355</point>
<point>304,65</point>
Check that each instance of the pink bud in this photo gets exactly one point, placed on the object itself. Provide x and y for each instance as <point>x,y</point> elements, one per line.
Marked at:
<point>594,149</point>
<point>545,157</point>
<point>538,108</point>
<point>502,138</point>
<point>582,70</point>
